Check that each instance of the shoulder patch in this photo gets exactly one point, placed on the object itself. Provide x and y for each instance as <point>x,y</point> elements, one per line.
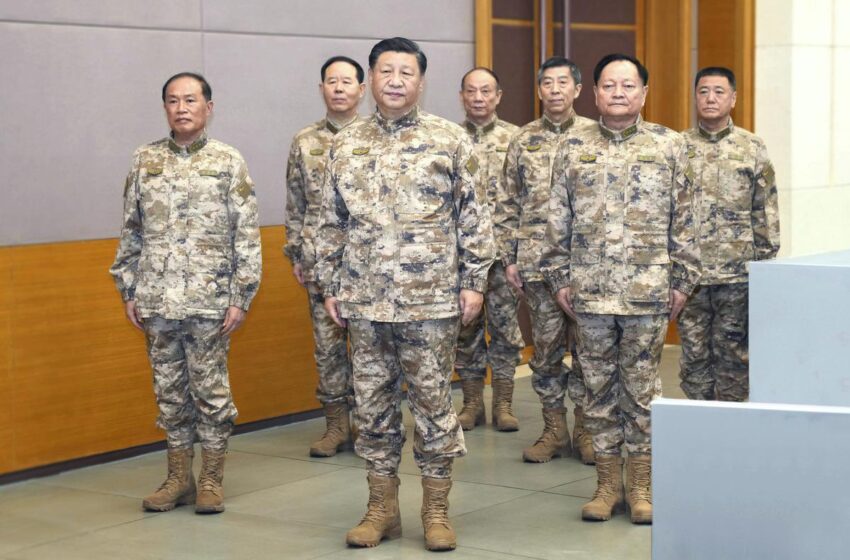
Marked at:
<point>533,147</point>
<point>587,158</point>
<point>208,173</point>
<point>501,148</point>
<point>646,158</point>
<point>316,151</point>
<point>244,190</point>
<point>769,174</point>
<point>360,151</point>
<point>153,171</point>
<point>692,153</point>
<point>472,165</point>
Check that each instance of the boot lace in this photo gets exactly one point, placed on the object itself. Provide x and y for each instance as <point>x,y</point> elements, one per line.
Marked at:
<point>437,509</point>
<point>641,489</point>
<point>605,489</point>
<point>209,481</point>
<point>175,475</point>
<point>375,511</point>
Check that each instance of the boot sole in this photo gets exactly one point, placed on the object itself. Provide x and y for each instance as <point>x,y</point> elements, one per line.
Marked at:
<point>392,534</point>
<point>209,509</point>
<point>345,446</point>
<point>441,546</point>
<point>507,428</point>
<point>559,455</point>
<point>183,501</point>
<point>615,509</point>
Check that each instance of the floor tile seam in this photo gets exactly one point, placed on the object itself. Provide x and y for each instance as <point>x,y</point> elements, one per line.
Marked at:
<point>231,495</point>
<point>550,488</point>
<point>98,492</point>
<point>494,505</point>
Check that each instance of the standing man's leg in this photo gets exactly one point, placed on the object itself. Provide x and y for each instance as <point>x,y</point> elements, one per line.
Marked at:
<point>334,366</point>
<point>549,373</point>
<point>426,350</point>
<point>641,344</point>
<point>730,340</point>
<point>506,343</point>
<point>176,412</point>
<point>471,367</point>
<point>597,344</point>
<point>206,357</point>
<point>376,376</point>
<point>695,327</point>
<point>582,441</point>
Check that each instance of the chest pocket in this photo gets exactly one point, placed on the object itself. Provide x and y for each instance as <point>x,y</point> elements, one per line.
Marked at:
<point>424,184</point>
<point>314,170</point>
<point>155,198</point>
<point>358,182</point>
<point>734,184</point>
<point>648,188</point>
<point>208,193</point>
<point>587,182</point>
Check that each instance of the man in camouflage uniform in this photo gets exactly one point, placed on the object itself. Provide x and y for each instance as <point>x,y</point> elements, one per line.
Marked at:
<point>520,222</point>
<point>621,256</point>
<point>737,215</point>
<point>342,88</point>
<point>404,246</point>
<point>188,266</point>
<point>480,94</point>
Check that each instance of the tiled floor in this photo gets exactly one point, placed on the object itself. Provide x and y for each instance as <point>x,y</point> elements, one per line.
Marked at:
<point>283,504</point>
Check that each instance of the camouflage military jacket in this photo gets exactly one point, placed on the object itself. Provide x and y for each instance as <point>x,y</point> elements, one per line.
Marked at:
<point>621,231</point>
<point>402,229</point>
<point>490,145</point>
<point>522,204</point>
<point>736,206</point>
<point>190,242</point>
<point>305,171</point>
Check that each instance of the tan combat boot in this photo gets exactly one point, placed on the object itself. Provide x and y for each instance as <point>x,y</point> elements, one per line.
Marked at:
<point>337,433</point>
<point>503,417</point>
<point>439,534</point>
<point>582,441</point>
<point>472,413</point>
<point>179,486</point>
<point>382,519</point>
<point>609,489</point>
<point>211,495</point>
<point>639,487</point>
<point>555,439</point>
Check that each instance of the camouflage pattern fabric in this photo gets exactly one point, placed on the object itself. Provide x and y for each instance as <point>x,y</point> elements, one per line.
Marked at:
<point>490,144</point>
<point>305,172</point>
<point>190,242</point>
<point>331,352</point>
<point>189,362</point>
<point>419,353</point>
<point>620,356</point>
<point>621,231</point>
<point>714,331</point>
<point>736,205</point>
<point>522,204</point>
<point>402,229</point>
<point>551,377</point>
<point>500,318</point>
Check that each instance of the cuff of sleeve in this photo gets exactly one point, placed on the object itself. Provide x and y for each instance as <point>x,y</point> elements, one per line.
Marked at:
<point>558,280</point>
<point>128,294</point>
<point>241,301</point>
<point>331,290</point>
<point>682,286</point>
<point>476,285</point>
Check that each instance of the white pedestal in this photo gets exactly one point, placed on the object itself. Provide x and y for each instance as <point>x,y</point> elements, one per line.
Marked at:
<point>800,330</point>
<point>745,481</point>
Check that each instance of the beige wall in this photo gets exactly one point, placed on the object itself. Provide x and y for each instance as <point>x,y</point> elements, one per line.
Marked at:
<point>81,84</point>
<point>802,79</point>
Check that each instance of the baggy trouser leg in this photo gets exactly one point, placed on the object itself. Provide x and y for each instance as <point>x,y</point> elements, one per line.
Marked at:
<point>694,324</point>
<point>730,340</point>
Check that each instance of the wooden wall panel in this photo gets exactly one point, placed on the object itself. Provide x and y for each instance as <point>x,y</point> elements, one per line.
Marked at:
<point>75,374</point>
<point>668,59</point>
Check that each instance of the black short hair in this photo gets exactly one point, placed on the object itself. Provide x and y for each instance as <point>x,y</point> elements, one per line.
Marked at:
<point>483,69</point>
<point>717,71</point>
<point>556,62</point>
<point>398,44</point>
<point>609,58</point>
<point>206,90</point>
<point>347,60</point>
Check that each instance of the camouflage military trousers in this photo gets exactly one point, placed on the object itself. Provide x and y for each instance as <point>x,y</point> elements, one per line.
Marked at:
<point>189,361</point>
<point>331,352</point>
<point>715,354</point>
<point>620,356</point>
<point>551,377</point>
<point>421,353</point>
<point>502,354</point>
